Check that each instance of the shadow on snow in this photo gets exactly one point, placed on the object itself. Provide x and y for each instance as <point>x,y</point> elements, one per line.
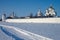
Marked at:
<point>10,34</point>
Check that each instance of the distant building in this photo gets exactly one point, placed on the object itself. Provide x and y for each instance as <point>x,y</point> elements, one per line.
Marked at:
<point>12,15</point>
<point>3,17</point>
<point>50,12</point>
<point>27,17</point>
<point>31,15</point>
<point>39,13</point>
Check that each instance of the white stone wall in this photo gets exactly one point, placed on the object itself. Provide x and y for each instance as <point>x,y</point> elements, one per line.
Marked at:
<point>35,20</point>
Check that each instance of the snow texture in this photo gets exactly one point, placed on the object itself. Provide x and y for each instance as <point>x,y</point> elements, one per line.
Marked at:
<point>45,30</point>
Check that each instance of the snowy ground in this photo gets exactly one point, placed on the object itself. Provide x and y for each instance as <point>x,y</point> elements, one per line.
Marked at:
<point>48,30</point>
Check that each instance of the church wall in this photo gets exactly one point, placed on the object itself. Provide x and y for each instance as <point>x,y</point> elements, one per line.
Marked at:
<point>34,20</point>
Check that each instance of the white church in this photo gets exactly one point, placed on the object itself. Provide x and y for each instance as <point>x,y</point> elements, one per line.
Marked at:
<point>50,12</point>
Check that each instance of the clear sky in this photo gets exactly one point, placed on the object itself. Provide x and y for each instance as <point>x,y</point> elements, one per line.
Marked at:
<point>25,7</point>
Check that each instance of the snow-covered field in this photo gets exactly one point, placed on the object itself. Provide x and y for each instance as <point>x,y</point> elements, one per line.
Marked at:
<point>29,31</point>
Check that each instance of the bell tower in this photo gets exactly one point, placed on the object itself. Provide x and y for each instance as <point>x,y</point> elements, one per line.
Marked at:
<point>3,17</point>
<point>12,15</point>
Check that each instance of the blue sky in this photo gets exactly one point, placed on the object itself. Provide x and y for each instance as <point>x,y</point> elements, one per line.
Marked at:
<point>25,7</point>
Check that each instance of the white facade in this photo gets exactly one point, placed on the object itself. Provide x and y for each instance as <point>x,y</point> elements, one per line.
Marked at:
<point>39,13</point>
<point>3,17</point>
<point>46,13</point>
<point>50,12</point>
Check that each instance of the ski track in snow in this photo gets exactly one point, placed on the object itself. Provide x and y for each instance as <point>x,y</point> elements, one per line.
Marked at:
<point>32,36</point>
